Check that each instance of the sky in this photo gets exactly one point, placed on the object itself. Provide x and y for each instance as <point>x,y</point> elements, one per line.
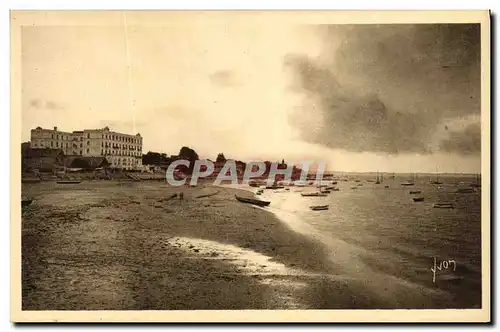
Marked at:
<point>395,98</point>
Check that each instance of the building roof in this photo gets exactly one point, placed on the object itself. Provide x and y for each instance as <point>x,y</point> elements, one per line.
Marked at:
<point>43,152</point>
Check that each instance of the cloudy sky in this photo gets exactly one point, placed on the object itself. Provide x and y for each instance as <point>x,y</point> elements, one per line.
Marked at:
<point>403,98</point>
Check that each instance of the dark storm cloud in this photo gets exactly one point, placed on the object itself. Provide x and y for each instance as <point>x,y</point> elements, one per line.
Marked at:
<point>385,88</point>
<point>467,141</point>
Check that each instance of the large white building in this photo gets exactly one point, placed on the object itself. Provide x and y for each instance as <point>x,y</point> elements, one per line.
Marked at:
<point>121,150</point>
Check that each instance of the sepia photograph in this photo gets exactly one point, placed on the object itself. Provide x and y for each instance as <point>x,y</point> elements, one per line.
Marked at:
<point>250,166</point>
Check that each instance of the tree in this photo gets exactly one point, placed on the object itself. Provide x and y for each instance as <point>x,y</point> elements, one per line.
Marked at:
<point>220,158</point>
<point>190,155</point>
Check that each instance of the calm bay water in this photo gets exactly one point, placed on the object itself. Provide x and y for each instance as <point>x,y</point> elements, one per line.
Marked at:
<point>373,230</point>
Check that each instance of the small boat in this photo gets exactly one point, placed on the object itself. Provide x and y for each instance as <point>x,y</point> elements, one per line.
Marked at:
<point>317,194</point>
<point>26,202</point>
<point>319,207</point>
<point>35,180</point>
<point>253,184</point>
<point>336,189</point>
<point>326,191</point>
<point>444,206</point>
<point>418,199</point>
<point>257,202</point>
<point>465,190</point>
<point>386,187</point>
<point>275,187</point>
<point>354,187</point>
<point>69,181</point>
<point>408,183</point>
<point>477,184</point>
<point>416,192</point>
<point>437,179</point>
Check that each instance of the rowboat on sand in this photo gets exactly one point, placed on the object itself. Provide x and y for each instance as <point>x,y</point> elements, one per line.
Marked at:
<point>257,202</point>
<point>319,207</point>
<point>26,202</point>
<point>444,206</point>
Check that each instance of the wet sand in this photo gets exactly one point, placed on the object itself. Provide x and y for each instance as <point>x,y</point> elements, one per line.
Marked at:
<point>103,245</point>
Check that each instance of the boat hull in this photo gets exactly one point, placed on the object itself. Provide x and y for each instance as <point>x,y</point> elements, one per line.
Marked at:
<point>443,206</point>
<point>319,207</point>
<point>252,201</point>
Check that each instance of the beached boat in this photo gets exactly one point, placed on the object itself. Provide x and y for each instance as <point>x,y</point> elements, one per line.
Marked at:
<point>444,206</point>
<point>26,202</point>
<point>465,190</point>
<point>386,187</point>
<point>332,188</point>
<point>317,194</point>
<point>257,202</point>
<point>415,192</point>
<point>69,181</point>
<point>34,180</point>
<point>319,207</point>
<point>275,187</point>
<point>418,199</point>
<point>354,187</point>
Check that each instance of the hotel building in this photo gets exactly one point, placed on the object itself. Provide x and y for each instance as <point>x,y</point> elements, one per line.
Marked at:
<point>121,150</point>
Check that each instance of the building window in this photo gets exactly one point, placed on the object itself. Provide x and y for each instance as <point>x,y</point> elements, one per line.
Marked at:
<point>66,144</point>
<point>88,151</point>
<point>88,135</point>
<point>52,144</point>
<point>57,144</point>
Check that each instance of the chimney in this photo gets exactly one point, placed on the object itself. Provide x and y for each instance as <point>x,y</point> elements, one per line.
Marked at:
<point>55,128</point>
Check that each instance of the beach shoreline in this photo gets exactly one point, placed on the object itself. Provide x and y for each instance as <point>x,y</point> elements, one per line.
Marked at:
<point>127,245</point>
<point>108,245</point>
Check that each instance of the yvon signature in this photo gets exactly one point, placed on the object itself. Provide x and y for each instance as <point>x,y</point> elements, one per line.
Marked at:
<point>443,265</point>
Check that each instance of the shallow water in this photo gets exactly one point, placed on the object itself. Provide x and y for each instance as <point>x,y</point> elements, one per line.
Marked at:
<point>381,236</point>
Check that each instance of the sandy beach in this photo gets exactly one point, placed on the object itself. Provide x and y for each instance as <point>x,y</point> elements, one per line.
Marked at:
<point>123,245</point>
